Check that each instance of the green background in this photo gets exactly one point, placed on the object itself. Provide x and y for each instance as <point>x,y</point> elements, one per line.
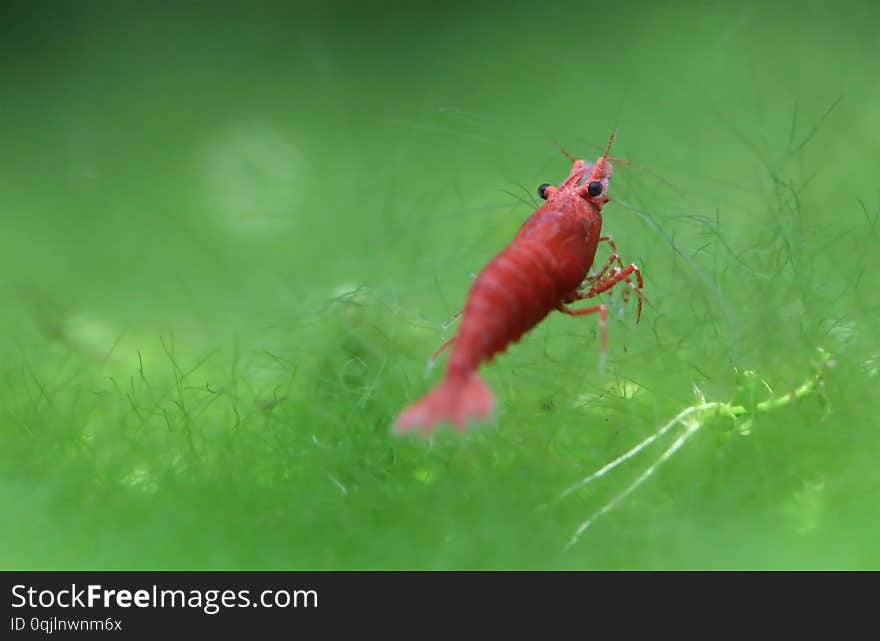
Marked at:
<point>230,237</point>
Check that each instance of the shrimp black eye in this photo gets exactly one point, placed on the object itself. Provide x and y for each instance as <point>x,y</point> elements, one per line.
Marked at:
<point>542,191</point>
<point>594,188</point>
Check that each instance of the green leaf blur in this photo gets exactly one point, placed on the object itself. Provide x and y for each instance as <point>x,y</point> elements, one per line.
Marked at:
<point>230,238</point>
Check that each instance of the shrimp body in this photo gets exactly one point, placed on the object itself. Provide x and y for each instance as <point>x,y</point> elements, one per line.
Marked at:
<point>546,262</point>
<point>542,269</point>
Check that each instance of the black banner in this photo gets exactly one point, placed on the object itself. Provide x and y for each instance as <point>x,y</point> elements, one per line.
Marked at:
<point>126,604</point>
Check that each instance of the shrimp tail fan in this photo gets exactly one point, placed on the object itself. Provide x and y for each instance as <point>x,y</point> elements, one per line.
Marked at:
<point>459,399</point>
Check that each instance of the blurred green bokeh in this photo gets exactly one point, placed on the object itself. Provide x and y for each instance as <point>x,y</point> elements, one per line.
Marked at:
<point>230,238</point>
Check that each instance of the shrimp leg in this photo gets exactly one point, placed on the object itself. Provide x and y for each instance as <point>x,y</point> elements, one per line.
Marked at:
<point>610,280</point>
<point>603,320</point>
<point>446,344</point>
<point>613,259</point>
<point>615,255</point>
<point>602,285</point>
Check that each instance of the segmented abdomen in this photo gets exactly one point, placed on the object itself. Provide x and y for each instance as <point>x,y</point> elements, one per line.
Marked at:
<point>517,289</point>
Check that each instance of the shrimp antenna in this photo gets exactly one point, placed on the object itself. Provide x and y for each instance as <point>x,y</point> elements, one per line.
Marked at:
<point>565,151</point>
<point>644,169</point>
<point>636,165</point>
<point>608,146</point>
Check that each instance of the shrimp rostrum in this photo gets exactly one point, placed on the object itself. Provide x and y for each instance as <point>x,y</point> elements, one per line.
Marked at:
<point>545,267</point>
